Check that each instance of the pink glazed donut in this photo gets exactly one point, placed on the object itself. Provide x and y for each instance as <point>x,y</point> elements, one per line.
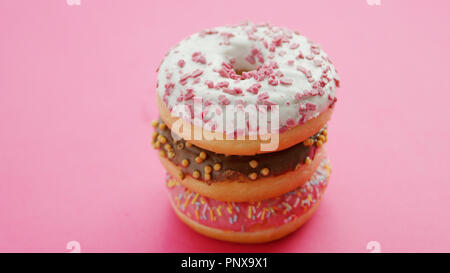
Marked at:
<point>247,65</point>
<point>244,222</point>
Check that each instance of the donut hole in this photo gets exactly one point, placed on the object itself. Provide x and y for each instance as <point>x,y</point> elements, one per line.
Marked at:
<point>240,71</point>
<point>242,65</point>
<point>238,52</point>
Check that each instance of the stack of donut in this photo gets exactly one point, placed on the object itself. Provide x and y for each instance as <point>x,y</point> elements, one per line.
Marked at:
<point>226,186</point>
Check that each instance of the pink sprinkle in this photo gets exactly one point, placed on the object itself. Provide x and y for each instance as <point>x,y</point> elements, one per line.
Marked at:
<point>254,88</point>
<point>223,100</point>
<point>273,82</point>
<point>226,65</point>
<point>198,58</point>
<point>263,96</point>
<point>207,32</point>
<point>222,84</point>
<point>290,122</point>
<point>197,73</point>
<point>304,71</point>
<point>298,96</point>
<point>272,48</point>
<point>315,50</point>
<point>273,64</point>
<point>283,129</point>
<point>250,59</point>
<point>228,91</point>
<point>169,85</point>
<point>279,74</point>
<point>291,62</point>
<point>238,90</point>
<point>260,57</point>
<point>209,83</point>
<point>337,82</point>
<point>286,81</point>
<point>235,91</point>
<point>189,94</point>
<point>223,73</point>
<point>181,63</point>
<point>310,106</point>
<point>184,77</point>
<point>226,36</point>
<point>294,46</point>
<point>301,109</point>
<point>277,41</point>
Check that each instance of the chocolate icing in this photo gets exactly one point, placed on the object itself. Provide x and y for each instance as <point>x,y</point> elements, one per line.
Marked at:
<point>232,166</point>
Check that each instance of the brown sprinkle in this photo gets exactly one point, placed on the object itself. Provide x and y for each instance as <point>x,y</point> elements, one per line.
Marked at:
<point>325,132</point>
<point>265,171</point>
<point>217,167</point>
<point>307,160</point>
<point>196,174</point>
<point>162,153</point>
<point>321,137</point>
<point>162,126</point>
<point>154,123</point>
<point>208,169</point>
<point>198,159</point>
<point>253,164</point>
<point>319,143</point>
<point>181,175</point>
<point>171,155</point>
<point>185,162</point>
<point>188,144</point>
<point>154,135</point>
<point>157,145</point>
<point>202,155</point>
<point>308,142</point>
<point>253,176</point>
<point>168,147</point>
<point>163,140</point>
<point>180,145</point>
<point>207,176</point>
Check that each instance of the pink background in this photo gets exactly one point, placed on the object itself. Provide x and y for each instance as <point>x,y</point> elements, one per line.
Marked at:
<point>77,90</point>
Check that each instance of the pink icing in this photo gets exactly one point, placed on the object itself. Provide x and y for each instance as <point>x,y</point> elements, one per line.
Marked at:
<point>244,216</point>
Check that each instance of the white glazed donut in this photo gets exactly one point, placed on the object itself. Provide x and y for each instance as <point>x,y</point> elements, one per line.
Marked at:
<point>284,67</point>
<point>247,65</point>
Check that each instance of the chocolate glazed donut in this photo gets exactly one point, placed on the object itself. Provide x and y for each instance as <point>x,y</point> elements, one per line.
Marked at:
<point>211,167</point>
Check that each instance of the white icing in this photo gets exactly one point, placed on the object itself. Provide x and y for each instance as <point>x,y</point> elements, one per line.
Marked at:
<point>217,47</point>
